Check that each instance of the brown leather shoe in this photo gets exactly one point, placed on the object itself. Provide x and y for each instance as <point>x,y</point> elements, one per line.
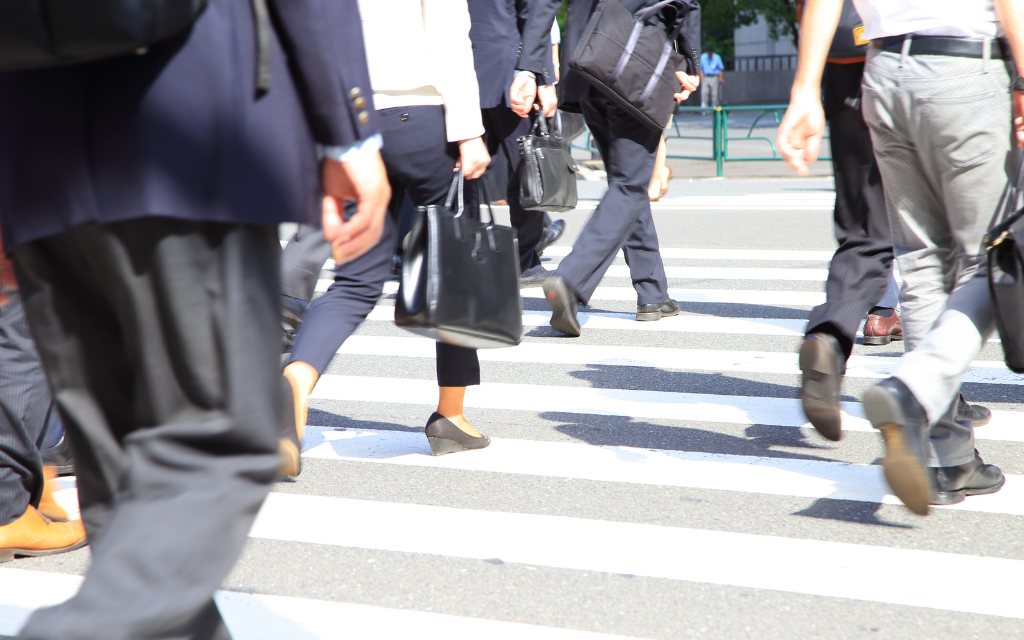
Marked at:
<point>34,535</point>
<point>48,504</point>
<point>879,330</point>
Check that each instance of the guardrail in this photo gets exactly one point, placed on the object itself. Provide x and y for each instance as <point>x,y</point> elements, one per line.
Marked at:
<point>758,133</point>
<point>752,140</point>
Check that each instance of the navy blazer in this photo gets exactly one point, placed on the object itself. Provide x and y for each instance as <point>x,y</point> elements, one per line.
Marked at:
<point>500,46</point>
<point>179,131</point>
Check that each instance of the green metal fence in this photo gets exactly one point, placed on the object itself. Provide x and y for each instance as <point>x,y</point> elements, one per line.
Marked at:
<point>746,139</point>
<point>750,140</point>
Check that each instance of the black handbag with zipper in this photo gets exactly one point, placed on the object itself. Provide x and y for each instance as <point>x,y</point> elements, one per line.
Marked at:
<point>1006,278</point>
<point>633,58</point>
<point>460,277</point>
<point>547,172</point>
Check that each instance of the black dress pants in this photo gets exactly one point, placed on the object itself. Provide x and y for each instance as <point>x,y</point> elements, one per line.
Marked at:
<point>420,163</point>
<point>160,339</point>
<point>622,220</point>
<point>24,407</point>
<point>859,272</point>
<point>503,129</point>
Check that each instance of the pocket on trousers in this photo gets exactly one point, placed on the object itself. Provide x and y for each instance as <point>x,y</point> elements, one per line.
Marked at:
<point>966,129</point>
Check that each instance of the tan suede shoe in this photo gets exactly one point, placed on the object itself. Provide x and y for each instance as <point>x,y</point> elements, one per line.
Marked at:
<point>34,535</point>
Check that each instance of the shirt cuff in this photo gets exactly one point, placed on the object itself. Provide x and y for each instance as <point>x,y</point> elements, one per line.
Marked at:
<point>361,149</point>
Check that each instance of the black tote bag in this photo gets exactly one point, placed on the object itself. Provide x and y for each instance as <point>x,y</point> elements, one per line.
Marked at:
<point>460,278</point>
<point>632,58</point>
<point>1006,278</point>
<point>547,172</point>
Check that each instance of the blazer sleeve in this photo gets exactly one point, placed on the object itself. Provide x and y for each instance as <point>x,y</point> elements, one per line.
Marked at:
<point>535,48</point>
<point>323,40</point>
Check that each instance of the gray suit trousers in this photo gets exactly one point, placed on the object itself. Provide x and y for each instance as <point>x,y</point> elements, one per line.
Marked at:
<point>160,338</point>
<point>941,131</point>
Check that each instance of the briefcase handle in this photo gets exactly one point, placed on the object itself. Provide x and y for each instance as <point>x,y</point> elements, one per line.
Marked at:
<point>457,190</point>
<point>646,14</point>
<point>1002,230</point>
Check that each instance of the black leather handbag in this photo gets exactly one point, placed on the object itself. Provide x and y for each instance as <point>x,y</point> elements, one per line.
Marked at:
<point>1006,278</point>
<point>632,58</point>
<point>460,278</point>
<point>547,173</point>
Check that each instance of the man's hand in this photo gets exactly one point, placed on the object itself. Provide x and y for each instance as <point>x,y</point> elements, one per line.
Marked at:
<point>364,181</point>
<point>473,158</point>
<point>801,131</point>
<point>548,96</point>
<point>688,84</point>
<point>523,94</point>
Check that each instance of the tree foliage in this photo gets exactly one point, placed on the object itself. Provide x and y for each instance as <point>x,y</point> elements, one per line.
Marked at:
<point>721,18</point>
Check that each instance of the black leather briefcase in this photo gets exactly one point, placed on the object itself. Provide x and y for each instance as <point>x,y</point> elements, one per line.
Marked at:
<point>547,172</point>
<point>1006,279</point>
<point>633,59</point>
<point>460,278</point>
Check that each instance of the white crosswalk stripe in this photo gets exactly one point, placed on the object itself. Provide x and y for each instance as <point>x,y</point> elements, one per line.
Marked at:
<point>695,413</point>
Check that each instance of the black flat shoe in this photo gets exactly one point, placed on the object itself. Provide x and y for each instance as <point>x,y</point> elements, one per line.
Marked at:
<point>657,311</point>
<point>954,484</point>
<point>552,233</point>
<point>445,436</point>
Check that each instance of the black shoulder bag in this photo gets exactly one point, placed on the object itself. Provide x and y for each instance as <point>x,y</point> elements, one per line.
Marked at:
<point>547,173</point>
<point>1006,277</point>
<point>460,278</point>
<point>632,58</point>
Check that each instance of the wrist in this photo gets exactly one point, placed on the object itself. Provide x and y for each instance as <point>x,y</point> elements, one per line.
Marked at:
<point>1018,85</point>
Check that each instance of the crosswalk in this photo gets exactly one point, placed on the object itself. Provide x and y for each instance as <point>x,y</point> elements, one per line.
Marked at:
<point>648,479</point>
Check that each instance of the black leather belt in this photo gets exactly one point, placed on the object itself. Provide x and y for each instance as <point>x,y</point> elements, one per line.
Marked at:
<point>944,46</point>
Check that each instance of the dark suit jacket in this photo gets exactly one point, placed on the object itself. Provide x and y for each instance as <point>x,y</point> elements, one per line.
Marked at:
<point>179,132</point>
<point>500,46</point>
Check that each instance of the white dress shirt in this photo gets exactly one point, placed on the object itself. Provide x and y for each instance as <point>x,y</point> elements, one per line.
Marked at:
<point>419,53</point>
<point>961,18</point>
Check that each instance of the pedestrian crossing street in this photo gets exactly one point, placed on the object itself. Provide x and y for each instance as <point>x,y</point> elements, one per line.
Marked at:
<point>652,480</point>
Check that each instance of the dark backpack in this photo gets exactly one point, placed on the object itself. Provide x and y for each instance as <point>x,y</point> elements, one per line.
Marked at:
<point>849,40</point>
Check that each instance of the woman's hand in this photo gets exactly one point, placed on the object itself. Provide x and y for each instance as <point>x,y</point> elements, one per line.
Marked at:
<point>473,158</point>
<point>687,85</point>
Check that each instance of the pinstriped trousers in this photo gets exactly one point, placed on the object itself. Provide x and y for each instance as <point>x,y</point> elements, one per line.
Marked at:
<point>24,402</point>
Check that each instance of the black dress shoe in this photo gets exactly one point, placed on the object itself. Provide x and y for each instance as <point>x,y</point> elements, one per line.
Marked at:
<point>892,409</point>
<point>563,306</point>
<point>823,365</point>
<point>292,310</point>
<point>534,278</point>
<point>445,436</point>
<point>657,311</point>
<point>954,484</point>
<point>552,233</point>
<point>976,414</point>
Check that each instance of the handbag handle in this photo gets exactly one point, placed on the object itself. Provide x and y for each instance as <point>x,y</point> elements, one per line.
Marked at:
<point>456,188</point>
<point>481,187</point>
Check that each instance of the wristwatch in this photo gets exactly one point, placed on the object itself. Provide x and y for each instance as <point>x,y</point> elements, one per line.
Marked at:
<point>1018,85</point>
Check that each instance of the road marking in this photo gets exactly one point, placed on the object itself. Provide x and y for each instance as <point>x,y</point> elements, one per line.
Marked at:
<point>684,323</point>
<point>565,403</point>
<point>723,361</point>
<point>695,253</point>
<point>270,617</point>
<point>815,479</point>
<point>906,577</point>
<point>715,296</point>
